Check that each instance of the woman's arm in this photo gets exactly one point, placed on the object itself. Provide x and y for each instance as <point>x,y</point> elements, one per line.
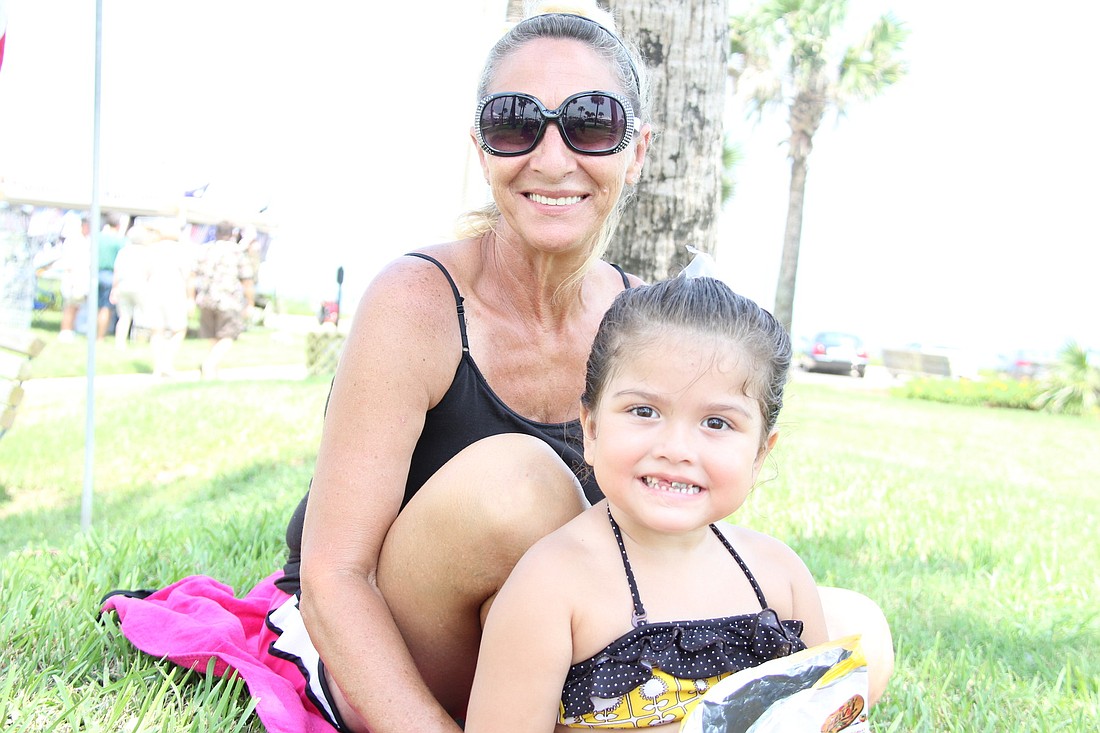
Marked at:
<point>526,648</point>
<point>397,362</point>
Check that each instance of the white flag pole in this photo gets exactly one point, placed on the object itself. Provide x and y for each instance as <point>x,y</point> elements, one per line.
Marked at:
<point>91,308</point>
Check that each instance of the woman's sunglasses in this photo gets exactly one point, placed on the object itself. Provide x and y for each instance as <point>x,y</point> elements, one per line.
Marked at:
<point>590,123</point>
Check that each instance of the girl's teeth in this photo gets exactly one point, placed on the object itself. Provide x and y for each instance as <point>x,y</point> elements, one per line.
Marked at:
<point>677,486</point>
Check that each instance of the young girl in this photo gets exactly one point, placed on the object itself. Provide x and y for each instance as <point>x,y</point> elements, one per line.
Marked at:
<point>593,628</point>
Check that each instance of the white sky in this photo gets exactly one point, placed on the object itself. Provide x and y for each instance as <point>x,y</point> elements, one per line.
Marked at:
<point>350,119</point>
<point>959,209</point>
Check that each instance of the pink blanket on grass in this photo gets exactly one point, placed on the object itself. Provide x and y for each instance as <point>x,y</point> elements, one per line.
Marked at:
<point>198,619</point>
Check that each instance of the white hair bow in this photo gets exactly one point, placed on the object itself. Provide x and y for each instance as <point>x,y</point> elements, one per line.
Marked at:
<point>701,265</point>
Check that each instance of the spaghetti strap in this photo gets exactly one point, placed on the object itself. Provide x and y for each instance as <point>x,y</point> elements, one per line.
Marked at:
<point>639,617</point>
<point>454,289</point>
<point>639,611</point>
<point>744,567</point>
<point>622,274</point>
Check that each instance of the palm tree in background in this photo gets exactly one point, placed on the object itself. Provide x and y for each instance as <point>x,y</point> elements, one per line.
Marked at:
<point>1073,384</point>
<point>678,199</point>
<point>783,52</point>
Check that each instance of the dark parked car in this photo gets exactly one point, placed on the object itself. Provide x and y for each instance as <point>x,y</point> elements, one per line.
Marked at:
<point>832,351</point>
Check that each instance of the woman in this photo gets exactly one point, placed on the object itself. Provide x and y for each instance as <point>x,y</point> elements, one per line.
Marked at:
<point>451,442</point>
<point>418,579</point>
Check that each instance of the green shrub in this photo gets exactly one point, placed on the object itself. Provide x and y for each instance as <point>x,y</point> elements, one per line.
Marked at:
<point>996,392</point>
<point>1073,384</point>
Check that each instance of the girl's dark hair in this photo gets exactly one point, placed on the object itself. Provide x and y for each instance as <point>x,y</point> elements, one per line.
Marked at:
<point>702,305</point>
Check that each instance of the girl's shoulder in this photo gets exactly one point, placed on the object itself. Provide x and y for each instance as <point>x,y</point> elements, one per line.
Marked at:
<point>583,545</point>
<point>782,575</point>
<point>757,548</point>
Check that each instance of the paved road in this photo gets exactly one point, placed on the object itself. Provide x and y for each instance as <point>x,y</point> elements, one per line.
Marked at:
<point>877,378</point>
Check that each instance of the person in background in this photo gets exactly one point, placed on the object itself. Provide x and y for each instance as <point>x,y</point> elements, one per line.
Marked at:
<point>130,285</point>
<point>224,294</point>
<point>110,242</point>
<point>168,299</point>
<point>73,266</point>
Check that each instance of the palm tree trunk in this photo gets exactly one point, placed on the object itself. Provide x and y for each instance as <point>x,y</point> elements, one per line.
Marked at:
<point>807,111</point>
<point>792,240</point>
<point>679,196</point>
<point>514,11</point>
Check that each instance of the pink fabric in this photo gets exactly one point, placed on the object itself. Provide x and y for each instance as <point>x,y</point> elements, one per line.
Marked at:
<point>198,619</point>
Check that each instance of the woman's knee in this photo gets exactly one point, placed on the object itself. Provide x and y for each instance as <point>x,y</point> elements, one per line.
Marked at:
<point>451,548</point>
<point>491,501</point>
<point>848,612</point>
<point>513,484</point>
<point>535,485</point>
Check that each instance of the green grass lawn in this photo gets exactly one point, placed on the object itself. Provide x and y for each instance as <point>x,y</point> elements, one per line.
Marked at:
<point>975,530</point>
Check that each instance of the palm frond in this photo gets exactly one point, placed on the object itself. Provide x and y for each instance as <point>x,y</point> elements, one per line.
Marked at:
<point>1073,385</point>
<point>869,67</point>
<point>751,66</point>
<point>732,155</point>
<point>809,26</point>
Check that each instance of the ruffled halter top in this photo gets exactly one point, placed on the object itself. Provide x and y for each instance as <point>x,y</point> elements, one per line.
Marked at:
<point>655,673</point>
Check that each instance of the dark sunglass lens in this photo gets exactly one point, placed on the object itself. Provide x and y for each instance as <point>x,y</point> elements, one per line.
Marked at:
<point>510,124</point>
<point>594,123</point>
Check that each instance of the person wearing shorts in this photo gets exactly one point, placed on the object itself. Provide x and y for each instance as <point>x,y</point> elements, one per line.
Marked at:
<point>218,324</point>
<point>111,241</point>
<point>169,300</point>
<point>224,293</point>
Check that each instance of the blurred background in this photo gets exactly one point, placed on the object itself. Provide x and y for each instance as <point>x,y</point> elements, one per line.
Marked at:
<point>955,212</point>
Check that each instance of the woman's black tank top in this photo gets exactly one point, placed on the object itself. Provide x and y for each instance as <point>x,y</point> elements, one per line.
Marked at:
<point>468,412</point>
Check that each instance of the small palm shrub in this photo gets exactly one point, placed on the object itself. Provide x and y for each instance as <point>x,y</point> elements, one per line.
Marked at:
<point>1072,385</point>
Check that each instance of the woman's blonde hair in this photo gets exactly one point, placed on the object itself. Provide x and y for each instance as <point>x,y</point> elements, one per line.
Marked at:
<point>583,21</point>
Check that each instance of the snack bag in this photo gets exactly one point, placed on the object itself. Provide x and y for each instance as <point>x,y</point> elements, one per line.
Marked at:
<point>821,689</point>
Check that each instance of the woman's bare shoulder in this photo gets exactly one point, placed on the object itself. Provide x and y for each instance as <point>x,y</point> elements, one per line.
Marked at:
<point>406,316</point>
<point>617,273</point>
<point>411,293</point>
<point>412,270</point>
